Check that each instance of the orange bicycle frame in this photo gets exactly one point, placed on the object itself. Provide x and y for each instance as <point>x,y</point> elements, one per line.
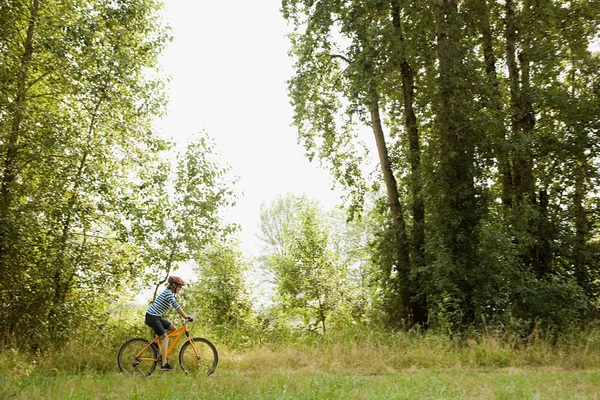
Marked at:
<point>176,335</point>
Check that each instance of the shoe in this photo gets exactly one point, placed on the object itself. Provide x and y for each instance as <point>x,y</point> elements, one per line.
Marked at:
<point>166,367</point>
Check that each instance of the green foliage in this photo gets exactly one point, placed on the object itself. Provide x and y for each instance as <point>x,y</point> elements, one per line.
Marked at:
<point>497,166</point>
<point>220,298</point>
<point>89,203</point>
<point>77,104</point>
<point>486,128</point>
<point>175,208</point>
<point>310,280</point>
<point>556,302</point>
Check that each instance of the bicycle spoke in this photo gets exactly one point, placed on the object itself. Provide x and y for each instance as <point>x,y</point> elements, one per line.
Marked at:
<point>202,363</point>
<point>132,362</point>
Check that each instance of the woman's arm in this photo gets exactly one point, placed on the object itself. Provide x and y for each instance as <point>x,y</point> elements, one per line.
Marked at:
<point>183,314</point>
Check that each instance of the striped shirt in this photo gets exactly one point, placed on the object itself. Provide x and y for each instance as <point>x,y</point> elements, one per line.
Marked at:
<point>163,302</point>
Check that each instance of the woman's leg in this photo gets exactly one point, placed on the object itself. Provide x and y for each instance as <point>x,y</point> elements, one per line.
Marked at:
<point>164,346</point>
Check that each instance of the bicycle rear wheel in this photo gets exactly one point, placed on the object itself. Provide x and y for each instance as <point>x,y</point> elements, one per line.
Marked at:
<point>132,362</point>
<point>204,363</point>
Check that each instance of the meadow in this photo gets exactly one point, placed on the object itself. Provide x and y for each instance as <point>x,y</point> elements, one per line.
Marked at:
<point>399,366</point>
<point>409,384</point>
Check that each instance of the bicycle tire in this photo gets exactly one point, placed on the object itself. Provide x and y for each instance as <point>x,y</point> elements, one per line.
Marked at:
<point>127,361</point>
<point>207,361</point>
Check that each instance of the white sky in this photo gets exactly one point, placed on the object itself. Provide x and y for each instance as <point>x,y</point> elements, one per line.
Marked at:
<point>229,63</point>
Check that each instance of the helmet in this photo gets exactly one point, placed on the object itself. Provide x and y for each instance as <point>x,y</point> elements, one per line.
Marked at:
<point>175,280</point>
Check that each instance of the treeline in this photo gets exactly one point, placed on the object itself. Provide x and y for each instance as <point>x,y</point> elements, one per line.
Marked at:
<point>90,204</point>
<point>484,117</point>
<point>482,207</point>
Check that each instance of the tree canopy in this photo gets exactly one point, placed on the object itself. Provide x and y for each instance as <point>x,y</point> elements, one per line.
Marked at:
<point>86,201</point>
<point>464,133</point>
<point>488,159</point>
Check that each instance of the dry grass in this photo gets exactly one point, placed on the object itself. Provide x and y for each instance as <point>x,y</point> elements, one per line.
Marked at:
<point>409,353</point>
<point>367,356</point>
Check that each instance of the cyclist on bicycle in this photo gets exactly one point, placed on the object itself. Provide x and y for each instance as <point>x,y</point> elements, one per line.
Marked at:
<point>162,327</point>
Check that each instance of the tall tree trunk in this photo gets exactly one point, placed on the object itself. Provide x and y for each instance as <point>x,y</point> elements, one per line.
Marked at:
<point>539,255</point>
<point>9,173</point>
<point>582,226</point>
<point>395,205</point>
<point>322,316</point>
<point>64,274</point>
<point>581,230</point>
<point>522,120</point>
<point>11,157</point>
<point>495,102</point>
<point>419,307</point>
<point>458,206</point>
<point>544,235</point>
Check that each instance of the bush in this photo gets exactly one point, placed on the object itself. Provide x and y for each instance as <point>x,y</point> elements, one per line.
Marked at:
<point>555,303</point>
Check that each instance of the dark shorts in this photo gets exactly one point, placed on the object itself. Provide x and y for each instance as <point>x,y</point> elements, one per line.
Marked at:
<point>158,325</point>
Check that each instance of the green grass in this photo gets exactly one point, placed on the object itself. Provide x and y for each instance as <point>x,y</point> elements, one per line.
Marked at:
<point>416,384</point>
<point>394,366</point>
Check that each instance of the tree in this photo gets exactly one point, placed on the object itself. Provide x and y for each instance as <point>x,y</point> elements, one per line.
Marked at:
<point>329,98</point>
<point>179,211</point>
<point>76,108</point>
<point>457,211</point>
<point>479,164</point>
<point>220,297</point>
<point>309,281</point>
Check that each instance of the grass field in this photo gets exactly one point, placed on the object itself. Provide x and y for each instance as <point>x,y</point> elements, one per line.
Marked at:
<point>390,367</point>
<point>410,384</point>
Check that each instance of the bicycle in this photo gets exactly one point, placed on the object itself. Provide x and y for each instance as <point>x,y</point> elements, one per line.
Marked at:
<point>139,356</point>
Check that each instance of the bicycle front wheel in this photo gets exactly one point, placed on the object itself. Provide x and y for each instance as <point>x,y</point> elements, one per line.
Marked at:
<point>199,357</point>
<point>133,361</point>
